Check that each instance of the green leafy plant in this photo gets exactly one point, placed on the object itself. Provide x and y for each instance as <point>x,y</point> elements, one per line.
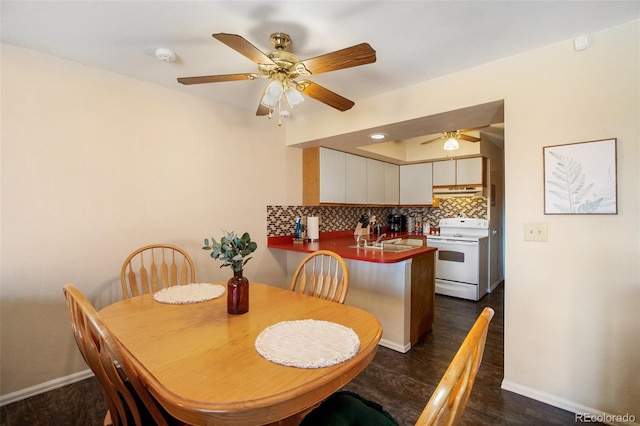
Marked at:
<point>232,249</point>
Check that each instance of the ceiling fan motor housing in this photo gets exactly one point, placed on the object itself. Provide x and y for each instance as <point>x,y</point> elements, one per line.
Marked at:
<point>285,64</point>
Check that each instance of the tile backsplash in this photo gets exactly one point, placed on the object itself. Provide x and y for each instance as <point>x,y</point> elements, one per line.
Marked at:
<point>281,219</point>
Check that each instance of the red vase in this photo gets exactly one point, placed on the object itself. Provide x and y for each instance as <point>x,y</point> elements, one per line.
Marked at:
<point>237,294</point>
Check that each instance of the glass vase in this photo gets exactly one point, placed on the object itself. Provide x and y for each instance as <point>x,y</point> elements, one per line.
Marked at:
<point>237,294</point>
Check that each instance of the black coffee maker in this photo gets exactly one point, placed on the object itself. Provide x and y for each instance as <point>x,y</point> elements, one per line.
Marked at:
<point>397,223</point>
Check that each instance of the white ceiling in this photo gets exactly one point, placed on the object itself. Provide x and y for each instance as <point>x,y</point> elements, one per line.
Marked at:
<point>414,40</point>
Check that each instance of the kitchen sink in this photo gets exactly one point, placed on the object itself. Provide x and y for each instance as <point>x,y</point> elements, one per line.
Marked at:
<point>415,242</point>
<point>386,247</point>
<point>397,247</point>
<point>393,244</point>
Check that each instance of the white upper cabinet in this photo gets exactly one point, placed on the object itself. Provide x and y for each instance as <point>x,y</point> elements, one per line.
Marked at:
<point>332,176</point>
<point>470,171</point>
<point>335,177</point>
<point>356,179</point>
<point>416,182</point>
<point>375,181</point>
<point>444,173</point>
<point>463,171</point>
<point>391,184</point>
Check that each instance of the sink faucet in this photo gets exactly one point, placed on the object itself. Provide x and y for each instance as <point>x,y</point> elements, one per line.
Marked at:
<point>380,238</point>
<point>364,241</point>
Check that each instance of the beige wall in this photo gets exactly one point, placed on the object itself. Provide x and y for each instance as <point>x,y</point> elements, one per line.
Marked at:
<point>95,165</point>
<point>572,320</point>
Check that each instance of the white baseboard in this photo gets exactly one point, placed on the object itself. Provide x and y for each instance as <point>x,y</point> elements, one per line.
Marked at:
<point>44,387</point>
<point>601,416</point>
<point>395,346</point>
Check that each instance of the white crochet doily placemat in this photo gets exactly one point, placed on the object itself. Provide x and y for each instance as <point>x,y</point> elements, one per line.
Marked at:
<point>307,343</point>
<point>190,293</point>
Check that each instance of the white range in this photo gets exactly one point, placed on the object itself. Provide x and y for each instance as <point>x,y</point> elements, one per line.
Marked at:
<point>462,257</point>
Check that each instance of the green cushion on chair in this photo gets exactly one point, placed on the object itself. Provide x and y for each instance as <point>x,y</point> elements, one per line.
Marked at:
<point>348,409</point>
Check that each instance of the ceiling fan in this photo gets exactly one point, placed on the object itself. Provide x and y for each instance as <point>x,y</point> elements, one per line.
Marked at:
<point>451,138</point>
<point>283,68</point>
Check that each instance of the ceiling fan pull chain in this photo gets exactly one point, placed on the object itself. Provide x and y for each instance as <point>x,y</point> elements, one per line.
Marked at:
<point>279,115</point>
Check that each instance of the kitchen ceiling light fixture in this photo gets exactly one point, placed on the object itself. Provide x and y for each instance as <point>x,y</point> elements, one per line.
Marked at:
<point>377,136</point>
<point>451,144</point>
<point>451,138</point>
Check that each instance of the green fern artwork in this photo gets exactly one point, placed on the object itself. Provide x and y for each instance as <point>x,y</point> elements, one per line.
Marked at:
<point>580,179</point>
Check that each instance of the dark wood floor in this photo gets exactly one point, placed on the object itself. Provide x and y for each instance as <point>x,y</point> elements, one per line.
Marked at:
<point>401,383</point>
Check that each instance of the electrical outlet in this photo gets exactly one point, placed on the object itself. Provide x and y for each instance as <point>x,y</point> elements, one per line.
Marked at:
<point>535,231</point>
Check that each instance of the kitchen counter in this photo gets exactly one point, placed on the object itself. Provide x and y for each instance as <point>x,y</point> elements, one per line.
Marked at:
<point>340,241</point>
<point>397,287</point>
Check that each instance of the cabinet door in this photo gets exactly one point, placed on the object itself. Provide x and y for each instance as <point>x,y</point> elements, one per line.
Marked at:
<point>375,181</point>
<point>444,173</point>
<point>391,184</point>
<point>332,176</point>
<point>470,171</point>
<point>416,181</point>
<point>356,179</point>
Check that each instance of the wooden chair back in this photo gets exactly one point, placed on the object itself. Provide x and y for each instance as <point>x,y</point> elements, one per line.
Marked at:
<point>154,267</point>
<point>450,397</point>
<point>322,274</point>
<point>128,400</point>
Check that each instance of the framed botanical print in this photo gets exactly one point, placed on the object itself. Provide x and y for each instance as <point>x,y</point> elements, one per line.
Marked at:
<point>581,178</point>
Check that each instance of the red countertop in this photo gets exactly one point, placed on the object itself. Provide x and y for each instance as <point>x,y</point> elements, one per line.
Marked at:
<point>340,241</point>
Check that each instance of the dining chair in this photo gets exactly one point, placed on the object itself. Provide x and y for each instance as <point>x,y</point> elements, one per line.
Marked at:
<point>322,274</point>
<point>128,400</point>
<point>448,401</point>
<point>154,267</point>
<point>446,405</point>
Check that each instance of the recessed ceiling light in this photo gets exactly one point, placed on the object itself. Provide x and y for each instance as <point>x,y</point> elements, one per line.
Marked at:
<point>378,136</point>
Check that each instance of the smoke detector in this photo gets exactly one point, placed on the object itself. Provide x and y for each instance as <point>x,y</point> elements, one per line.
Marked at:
<point>165,55</point>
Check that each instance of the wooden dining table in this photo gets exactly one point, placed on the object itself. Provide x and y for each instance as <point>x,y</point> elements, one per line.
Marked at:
<point>201,363</point>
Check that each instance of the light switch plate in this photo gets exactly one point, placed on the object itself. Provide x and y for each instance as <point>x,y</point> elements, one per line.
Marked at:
<point>535,231</point>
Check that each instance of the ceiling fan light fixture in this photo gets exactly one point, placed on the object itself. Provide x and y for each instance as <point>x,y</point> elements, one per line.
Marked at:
<point>451,144</point>
<point>272,94</point>
<point>294,98</point>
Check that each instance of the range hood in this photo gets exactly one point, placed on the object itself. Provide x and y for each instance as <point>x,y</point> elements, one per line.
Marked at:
<point>458,191</point>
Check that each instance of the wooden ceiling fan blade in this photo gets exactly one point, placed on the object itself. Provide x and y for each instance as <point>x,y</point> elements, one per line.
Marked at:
<point>468,138</point>
<point>360,54</point>
<point>473,128</point>
<point>432,140</point>
<point>262,110</point>
<point>242,46</point>
<point>324,95</point>
<point>216,78</point>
